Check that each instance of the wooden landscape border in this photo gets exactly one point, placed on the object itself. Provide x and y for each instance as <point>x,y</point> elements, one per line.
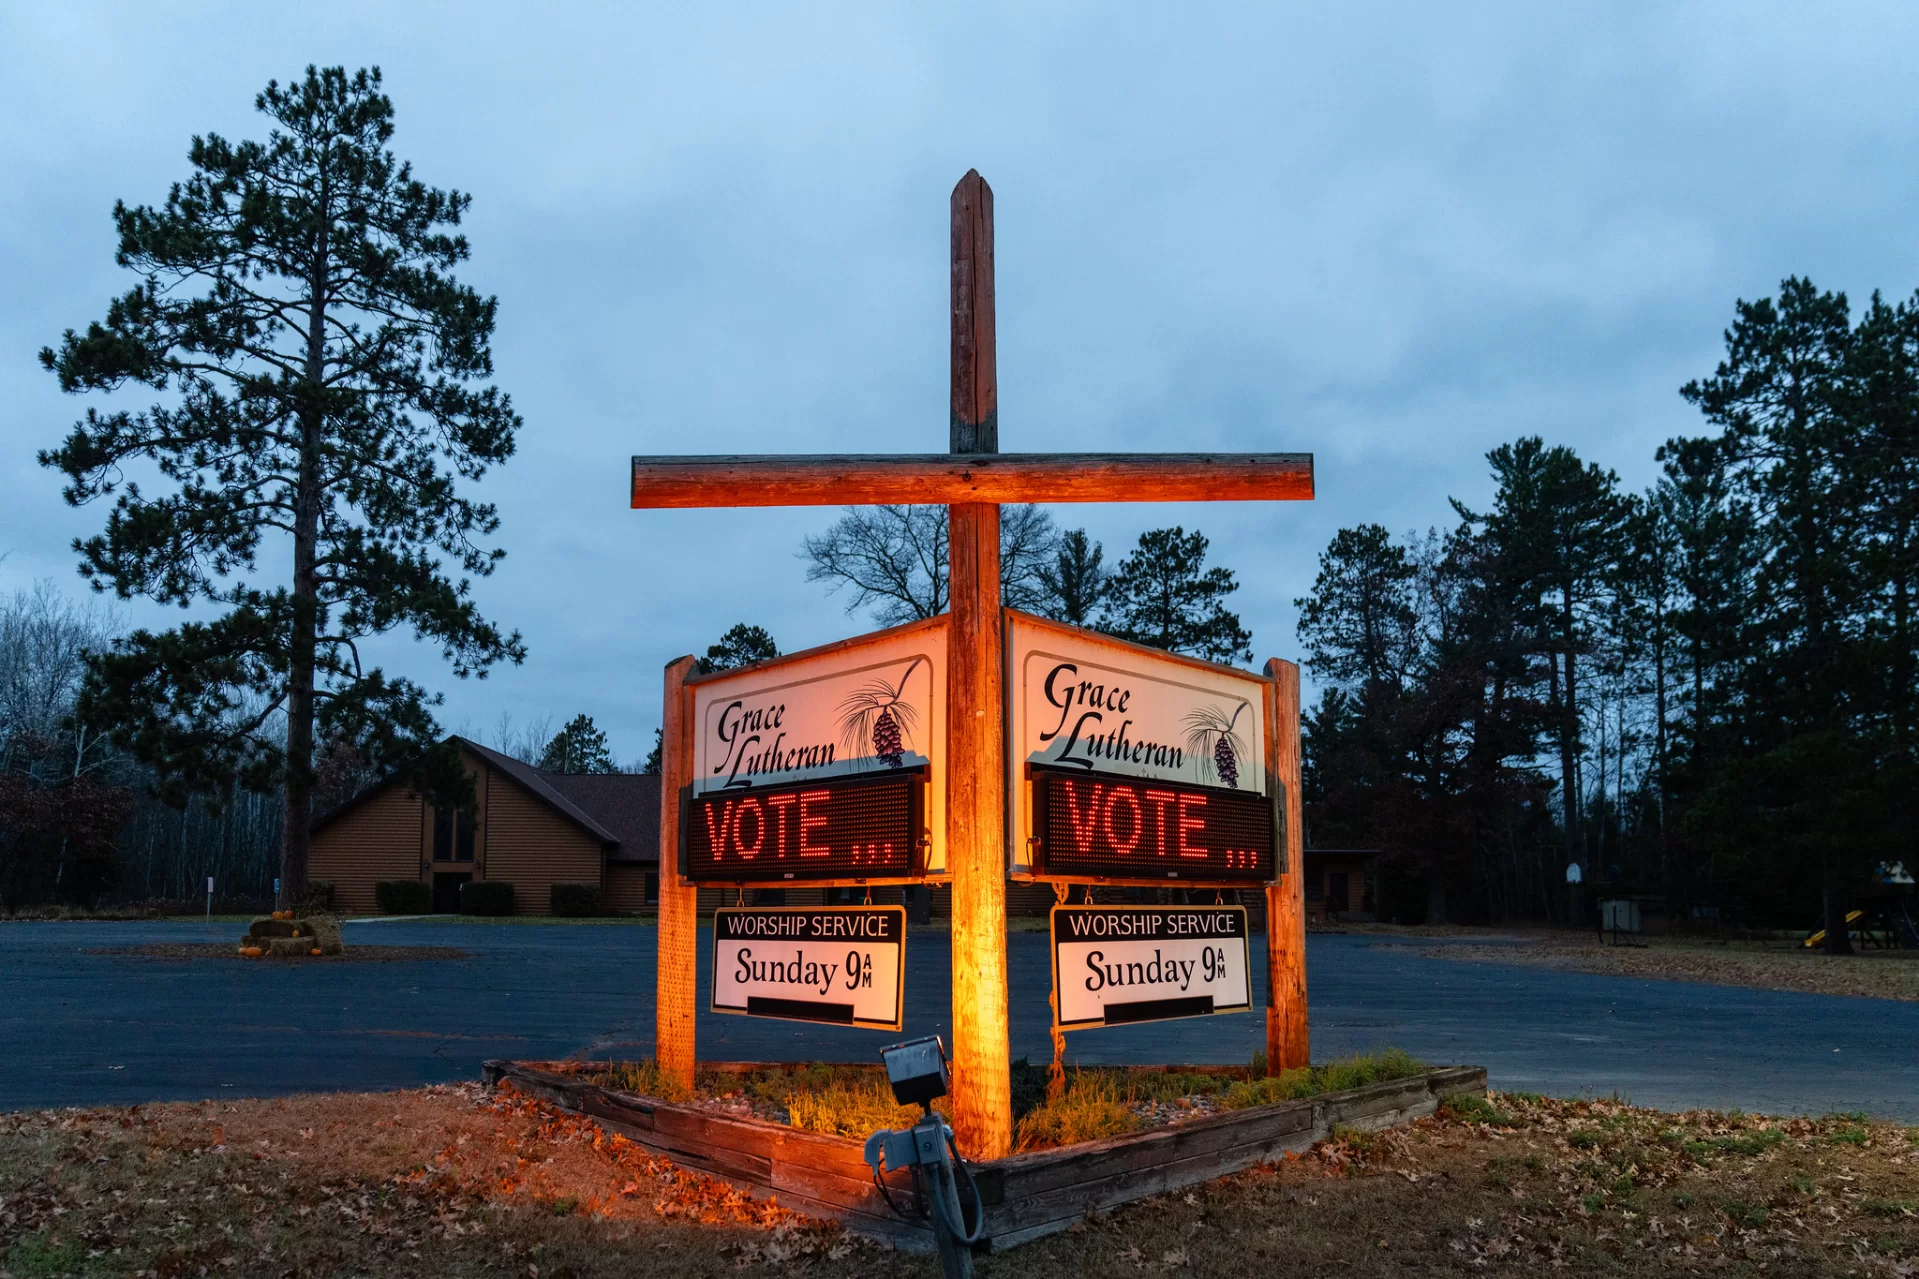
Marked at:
<point>1027,1196</point>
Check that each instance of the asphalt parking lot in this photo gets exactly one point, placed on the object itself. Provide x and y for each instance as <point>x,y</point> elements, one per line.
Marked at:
<point>82,1028</point>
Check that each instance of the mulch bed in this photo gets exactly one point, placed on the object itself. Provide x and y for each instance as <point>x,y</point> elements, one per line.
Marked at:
<point>230,950</point>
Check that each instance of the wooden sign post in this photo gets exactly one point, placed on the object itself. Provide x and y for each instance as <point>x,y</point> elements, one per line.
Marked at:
<point>972,480</point>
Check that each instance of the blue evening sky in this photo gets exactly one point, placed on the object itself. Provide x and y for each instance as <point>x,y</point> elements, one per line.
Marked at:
<point>1392,235</point>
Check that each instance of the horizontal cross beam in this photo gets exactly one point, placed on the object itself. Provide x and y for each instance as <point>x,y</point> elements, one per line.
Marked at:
<point>948,479</point>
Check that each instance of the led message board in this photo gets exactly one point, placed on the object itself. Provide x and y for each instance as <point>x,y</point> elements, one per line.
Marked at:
<point>841,965</point>
<point>826,765</point>
<point>1102,826</point>
<point>1130,764</point>
<point>1118,965</point>
<point>849,828</point>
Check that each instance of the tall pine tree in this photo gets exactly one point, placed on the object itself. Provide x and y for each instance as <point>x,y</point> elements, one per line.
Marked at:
<point>301,474</point>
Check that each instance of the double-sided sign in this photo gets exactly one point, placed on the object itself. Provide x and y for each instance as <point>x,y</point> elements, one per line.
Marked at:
<point>1128,765</point>
<point>828,765</point>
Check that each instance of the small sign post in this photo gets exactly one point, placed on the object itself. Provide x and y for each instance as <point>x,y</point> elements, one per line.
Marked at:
<point>209,899</point>
<point>841,965</point>
<point>1116,965</point>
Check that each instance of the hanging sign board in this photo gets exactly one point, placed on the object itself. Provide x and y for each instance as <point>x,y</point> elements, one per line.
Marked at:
<point>825,766</point>
<point>1131,765</point>
<point>842,965</point>
<point>1115,965</point>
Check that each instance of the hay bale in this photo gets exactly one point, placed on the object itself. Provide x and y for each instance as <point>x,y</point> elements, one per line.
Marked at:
<point>288,947</point>
<point>265,927</point>
<point>324,932</point>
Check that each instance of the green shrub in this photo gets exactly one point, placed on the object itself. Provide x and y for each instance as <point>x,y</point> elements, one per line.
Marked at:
<point>402,897</point>
<point>577,901</point>
<point>320,895</point>
<point>486,897</point>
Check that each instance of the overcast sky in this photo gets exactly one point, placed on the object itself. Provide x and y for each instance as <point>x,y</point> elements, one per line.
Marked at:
<point>1393,236</point>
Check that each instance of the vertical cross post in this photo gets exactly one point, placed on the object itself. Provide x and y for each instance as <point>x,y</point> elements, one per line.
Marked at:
<point>975,772</point>
<point>676,984</point>
<point>1286,1039</point>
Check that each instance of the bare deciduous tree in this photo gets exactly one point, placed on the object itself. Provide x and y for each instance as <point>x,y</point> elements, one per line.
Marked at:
<point>893,559</point>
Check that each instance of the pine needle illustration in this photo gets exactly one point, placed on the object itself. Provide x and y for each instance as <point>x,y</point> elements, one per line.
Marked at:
<point>1210,732</point>
<point>878,715</point>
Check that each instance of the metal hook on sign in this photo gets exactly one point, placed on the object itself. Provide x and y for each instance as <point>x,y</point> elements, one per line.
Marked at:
<point>869,896</point>
<point>741,890</point>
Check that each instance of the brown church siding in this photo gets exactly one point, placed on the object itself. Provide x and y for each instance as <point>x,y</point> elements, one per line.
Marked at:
<point>533,848</point>
<point>625,887</point>
<point>376,840</point>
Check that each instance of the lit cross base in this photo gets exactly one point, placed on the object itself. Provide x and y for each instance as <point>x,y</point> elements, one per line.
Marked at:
<point>973,480</point>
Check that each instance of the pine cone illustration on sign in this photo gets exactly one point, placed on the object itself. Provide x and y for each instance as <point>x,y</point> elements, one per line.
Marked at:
<point>1225,761</point>
<point>886,738</point>
<point>878,719</point>
<point>1211,739</point>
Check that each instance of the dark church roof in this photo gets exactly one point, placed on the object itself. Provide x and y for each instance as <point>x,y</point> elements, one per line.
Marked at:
<point>625,804</point>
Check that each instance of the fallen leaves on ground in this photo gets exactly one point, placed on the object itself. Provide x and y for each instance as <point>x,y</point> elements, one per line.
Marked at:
<point>1870,974</point>
<point>462,1181</point>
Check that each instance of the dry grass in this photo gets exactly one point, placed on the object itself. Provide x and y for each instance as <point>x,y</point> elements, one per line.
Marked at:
<point>455,1182</point>
<point>1870,974</point>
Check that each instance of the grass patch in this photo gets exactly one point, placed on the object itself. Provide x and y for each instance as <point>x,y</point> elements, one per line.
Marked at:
<point>1850,1136</point>
<point>1748,1144</point>
<point>1092,1107</point>
<point>40,1255</point>
<point>849,1108</point>
<point>1311,1081</point>
<point>1474,1109</point>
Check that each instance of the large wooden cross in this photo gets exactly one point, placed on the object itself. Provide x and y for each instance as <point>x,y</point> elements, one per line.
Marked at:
<point>972,480</point>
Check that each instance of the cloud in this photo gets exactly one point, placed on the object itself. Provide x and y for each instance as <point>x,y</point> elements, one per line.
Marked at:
<point>1392,235</point>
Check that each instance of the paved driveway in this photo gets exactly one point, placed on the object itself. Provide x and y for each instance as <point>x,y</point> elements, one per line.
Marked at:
<point>80,1028</point>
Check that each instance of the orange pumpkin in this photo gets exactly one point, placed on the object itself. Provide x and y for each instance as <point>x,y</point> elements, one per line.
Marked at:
<point>315,950</point>
<point>251,952</point>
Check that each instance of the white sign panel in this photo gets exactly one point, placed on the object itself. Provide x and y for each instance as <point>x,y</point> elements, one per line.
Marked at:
<point>842,965</point>
<point>1080,701</point>
<point>865,706</point>
<point>1115,965</point>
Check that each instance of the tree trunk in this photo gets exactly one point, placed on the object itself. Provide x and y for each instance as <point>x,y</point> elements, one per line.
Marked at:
<point>297,828</point>
<point>1436,893</point>
<point>1838,938</point>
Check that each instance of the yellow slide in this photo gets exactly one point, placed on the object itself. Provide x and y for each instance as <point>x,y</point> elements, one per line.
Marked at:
<point>1852,917</point>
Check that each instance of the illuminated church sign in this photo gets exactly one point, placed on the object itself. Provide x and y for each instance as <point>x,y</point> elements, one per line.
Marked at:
<point>1133,765</point>
<point>826,765</point>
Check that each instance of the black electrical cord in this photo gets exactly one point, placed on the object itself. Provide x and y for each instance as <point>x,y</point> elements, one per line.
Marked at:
<point>919,1198</point>
<point>978,1231</point>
